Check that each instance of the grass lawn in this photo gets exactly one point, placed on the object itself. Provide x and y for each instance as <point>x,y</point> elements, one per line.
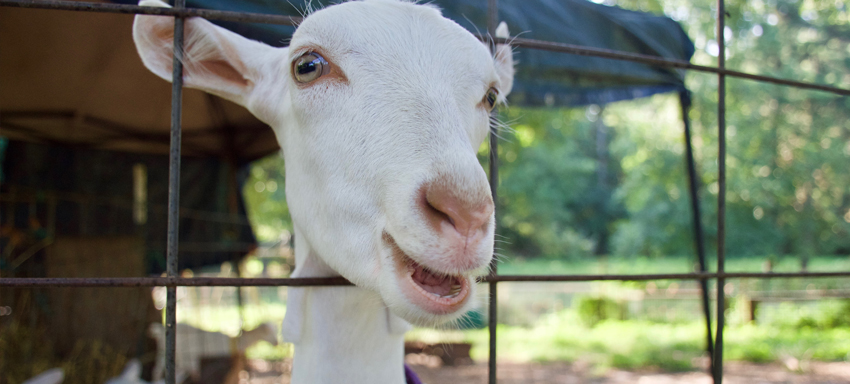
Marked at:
<point>637,344</point>
<point>795,330</point>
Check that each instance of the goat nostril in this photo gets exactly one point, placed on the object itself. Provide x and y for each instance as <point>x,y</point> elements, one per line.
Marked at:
<point>437,214</point>
<point>466,216</point>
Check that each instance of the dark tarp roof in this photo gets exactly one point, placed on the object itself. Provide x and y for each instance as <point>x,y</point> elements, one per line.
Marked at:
<point>74,78</point>
<point>543,78</point>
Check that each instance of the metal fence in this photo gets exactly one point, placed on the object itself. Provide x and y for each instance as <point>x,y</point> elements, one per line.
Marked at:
<point>180,12</point>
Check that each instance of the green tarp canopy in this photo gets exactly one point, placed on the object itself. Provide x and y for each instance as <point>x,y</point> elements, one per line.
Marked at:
<point>543,78</point>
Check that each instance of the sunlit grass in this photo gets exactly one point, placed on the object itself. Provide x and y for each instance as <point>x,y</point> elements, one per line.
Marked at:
<point>640,344</point>
<point>799,330</point>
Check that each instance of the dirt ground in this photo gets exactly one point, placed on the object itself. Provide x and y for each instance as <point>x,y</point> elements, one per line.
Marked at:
<point>261,372</point>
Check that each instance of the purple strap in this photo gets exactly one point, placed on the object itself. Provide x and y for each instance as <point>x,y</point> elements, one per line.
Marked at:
<point>410,376</point>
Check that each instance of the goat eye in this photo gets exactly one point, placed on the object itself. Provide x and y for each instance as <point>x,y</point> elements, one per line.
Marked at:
<point>491,97</point>
<point>310,66</point>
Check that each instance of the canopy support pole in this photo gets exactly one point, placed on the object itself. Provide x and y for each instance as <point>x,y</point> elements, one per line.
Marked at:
<point>685,102</point>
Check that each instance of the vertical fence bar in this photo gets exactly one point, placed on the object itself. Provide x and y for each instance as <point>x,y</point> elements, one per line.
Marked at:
<point>492,21</point>
<point>721,194</point>
<point>174,196</point>
<point>699,240</point>
<point>493,299</point>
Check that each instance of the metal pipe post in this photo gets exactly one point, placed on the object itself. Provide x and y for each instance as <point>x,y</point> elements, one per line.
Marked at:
<point>699,240</point>
<point>174,196</point>
<point>721,194</point>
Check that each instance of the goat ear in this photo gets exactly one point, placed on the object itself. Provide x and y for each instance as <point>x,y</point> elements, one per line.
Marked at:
<point>504,62</point>
<point>215,59</point>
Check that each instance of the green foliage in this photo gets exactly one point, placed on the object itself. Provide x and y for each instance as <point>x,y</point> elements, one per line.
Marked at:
<point>593,310</point>
<point>785,145</point>
<point>265,199</point>
<point>551,202</point>
<point>828,315</point>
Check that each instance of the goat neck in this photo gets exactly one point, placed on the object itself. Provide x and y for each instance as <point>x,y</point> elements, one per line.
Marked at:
<point>341,332</point>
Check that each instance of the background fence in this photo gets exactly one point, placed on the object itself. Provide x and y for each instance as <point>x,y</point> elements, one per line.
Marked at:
<point>171,281</point>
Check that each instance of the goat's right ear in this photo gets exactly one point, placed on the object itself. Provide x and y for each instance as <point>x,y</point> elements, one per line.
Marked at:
<point>216,60</point>
<point>504,62</point>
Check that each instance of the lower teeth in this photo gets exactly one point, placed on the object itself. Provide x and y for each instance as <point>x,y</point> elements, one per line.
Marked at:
<point>455,290</point>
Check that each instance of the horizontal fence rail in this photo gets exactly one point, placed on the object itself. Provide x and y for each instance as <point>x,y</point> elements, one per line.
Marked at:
<point>661,62</point>
<point>157,11</point>
<point>78,282</point>
<point>514,41</point>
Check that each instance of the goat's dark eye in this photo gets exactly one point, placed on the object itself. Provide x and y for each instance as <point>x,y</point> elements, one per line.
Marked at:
<point>310,66</point>
<point>491,97</point>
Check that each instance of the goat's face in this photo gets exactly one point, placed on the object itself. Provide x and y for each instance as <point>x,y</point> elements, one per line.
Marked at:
<point>380,107</point>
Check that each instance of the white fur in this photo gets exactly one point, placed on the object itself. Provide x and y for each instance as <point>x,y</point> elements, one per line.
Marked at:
<point>50,376</point>
<point>406,113</point>
<point>193,344</point>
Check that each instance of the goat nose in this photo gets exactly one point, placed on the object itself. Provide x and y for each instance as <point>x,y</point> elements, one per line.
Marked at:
<point>445,209</point>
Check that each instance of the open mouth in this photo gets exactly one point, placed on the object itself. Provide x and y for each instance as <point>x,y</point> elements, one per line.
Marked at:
<point>433,283</point>
<point>433,291</point>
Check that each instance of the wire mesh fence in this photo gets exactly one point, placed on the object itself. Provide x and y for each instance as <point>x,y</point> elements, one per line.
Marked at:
<point>172,280</point>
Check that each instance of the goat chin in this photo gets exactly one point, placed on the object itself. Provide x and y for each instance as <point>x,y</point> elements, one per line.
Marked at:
<point>403,307</point>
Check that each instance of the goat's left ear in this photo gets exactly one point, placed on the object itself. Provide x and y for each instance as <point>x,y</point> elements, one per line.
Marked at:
<point>215,59</point>
<point>504,62</point>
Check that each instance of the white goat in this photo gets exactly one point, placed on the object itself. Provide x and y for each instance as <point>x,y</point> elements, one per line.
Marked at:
<point>193,344</point>
<point>380,107</point>
<point>50,376</point>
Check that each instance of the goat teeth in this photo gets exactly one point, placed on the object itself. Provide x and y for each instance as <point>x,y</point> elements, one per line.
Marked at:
<point>454,291</point>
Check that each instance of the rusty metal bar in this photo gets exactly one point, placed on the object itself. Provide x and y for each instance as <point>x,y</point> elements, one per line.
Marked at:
<point>514,41</point>
<point>174,195</point>
<point>659,61</point>
<point>721,195</point>
<point>493,299</point>
<point>169,282</point>
<point>77,282</point>
<point>157,11</point>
